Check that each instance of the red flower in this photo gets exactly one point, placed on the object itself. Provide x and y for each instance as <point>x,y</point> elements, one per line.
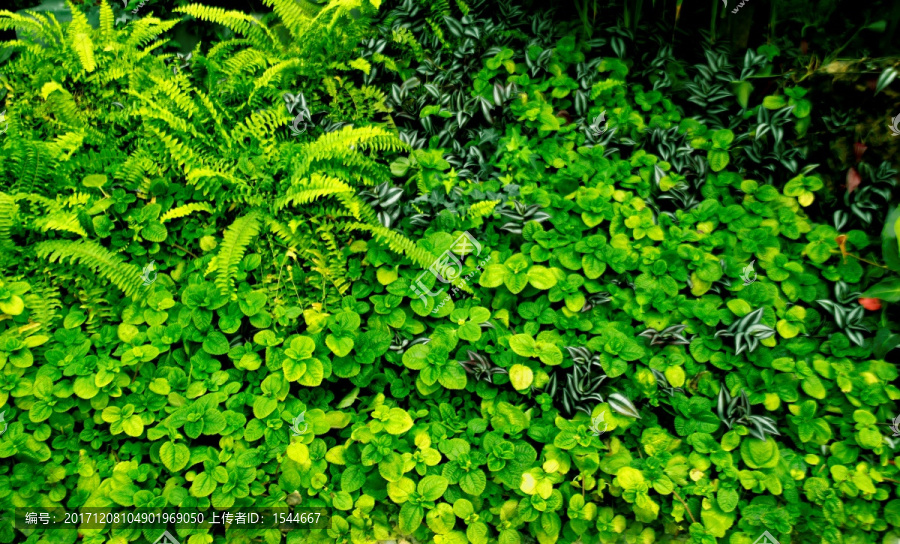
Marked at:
<point>870,303</point>
<point>858,149</point>
<point>853,180</point>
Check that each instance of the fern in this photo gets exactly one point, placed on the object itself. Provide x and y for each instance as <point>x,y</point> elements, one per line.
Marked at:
<point>296,18</point>
<point>44,303</point>
<point>482,209</point>
<point>61,221</point>
<point>186,210</point>
<point>398,243</point>
<point>238,21</point>
<point>147,29</point>
<point>273,76</point>
<point>79,32</point>
<point>99,310</point>
<point>237,238</point>
<point>309,190</point>
<point>97,258</point>
<point>8,211</point>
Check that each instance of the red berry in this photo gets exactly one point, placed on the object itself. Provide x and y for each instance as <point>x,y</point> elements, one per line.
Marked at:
<point>870,303</point>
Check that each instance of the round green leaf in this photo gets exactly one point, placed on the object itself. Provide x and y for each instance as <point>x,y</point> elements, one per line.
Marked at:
<point>174,456</point>
<point>760,453</point>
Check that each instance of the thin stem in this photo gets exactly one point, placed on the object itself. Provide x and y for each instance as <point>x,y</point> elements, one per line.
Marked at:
<point>677,496</point>
<point>859,259</point>
<point>186,250</point>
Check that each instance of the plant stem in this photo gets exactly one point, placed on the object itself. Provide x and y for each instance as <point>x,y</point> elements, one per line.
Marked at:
<point>859,259</point>
<point>184,249</point>
<point>677,496</point>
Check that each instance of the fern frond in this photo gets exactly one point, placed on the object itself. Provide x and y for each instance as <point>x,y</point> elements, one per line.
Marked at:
<point>64,221</point>
<point>44,303</point>
<point>222,48</point>
<point>261,126</point>
<point>482,209</point>
<point>183,155</point>
<point>237,238</point>
<point>32,164</point>
<point>297,241</point>
<point>294,15</point>
<point>248,60</point>
<point>310,190</point>
<point>360,210</point>
<point>65,145</point>
<point>272,77</point>
<point>174,89</point>
<point>342,143</point>
<point>76,199</point>
<point>332,268</point>
<point>25,26</point>
<point>97,258</point>
<point>404,36</point>
<point>62,104</point>
<point>107,23</point>
<point>8,211</point>
<point>237,21</point>
<point>79,31</point>
<point>216,117</point>
<point>397,243</point>
<point>139,167</point>
<point>147,29</point>
<point>116,72</point>
<point>99,310</point>
<point>194,175</point>
<point>186,210</point>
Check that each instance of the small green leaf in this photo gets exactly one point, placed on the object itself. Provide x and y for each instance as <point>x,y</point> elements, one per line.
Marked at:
<point>174,456</point>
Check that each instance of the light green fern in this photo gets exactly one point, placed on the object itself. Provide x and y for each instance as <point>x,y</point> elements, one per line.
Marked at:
<point>186,210</point>
<point>97,258</point>
<point>237,237</point>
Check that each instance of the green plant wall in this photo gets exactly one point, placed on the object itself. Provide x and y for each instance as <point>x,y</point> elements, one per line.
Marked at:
<point>451,273</point>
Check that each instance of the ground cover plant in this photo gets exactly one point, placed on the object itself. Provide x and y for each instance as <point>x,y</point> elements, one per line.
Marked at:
<point>455,273</point>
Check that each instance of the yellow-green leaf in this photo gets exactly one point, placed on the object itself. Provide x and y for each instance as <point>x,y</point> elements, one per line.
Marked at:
<point>521,376</point>
<point>85,48</point>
